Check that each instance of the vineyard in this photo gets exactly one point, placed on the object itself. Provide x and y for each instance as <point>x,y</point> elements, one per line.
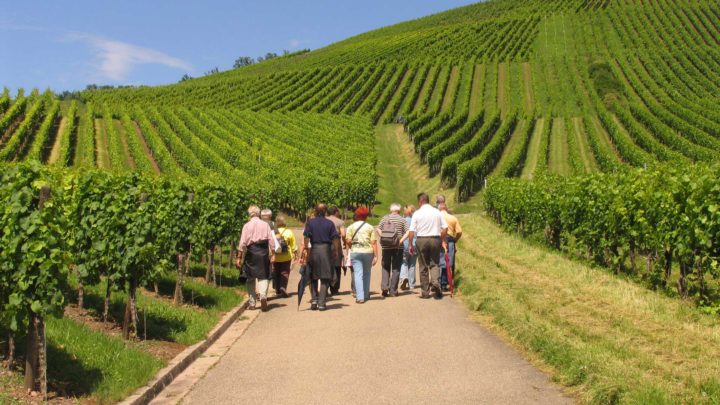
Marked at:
<point>591,123</point>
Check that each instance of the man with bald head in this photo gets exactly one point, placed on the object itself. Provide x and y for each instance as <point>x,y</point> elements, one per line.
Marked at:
<point>321,245</point>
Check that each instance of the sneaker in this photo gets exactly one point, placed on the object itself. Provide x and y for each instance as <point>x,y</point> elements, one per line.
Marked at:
<point>313,306</point>
<point>405,285</point>
<point>263,304</point>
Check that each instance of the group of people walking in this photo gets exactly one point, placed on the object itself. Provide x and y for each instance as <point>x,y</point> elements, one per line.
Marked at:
<point>424,238</point>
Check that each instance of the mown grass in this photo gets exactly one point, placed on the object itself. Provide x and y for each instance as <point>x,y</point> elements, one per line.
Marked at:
<point>83,362</point>
<point>159,319</point>
<point>609,339</point>
<point>401,175</point>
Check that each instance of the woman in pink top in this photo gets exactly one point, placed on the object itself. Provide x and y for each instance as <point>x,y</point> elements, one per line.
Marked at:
<point>257,250</point>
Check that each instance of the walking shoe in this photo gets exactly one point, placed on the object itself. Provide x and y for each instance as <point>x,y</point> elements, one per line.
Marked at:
<point>393,294</point>
<point>263,304</point>
<point>424,295</point>
<point>313,307</point>
<point>322,307</point>
<point>359,301</point>
<point>385,293</point>
<point>283,293</point>
<point>437,292</point>
<point>252,307</point>
<point>405,285</point>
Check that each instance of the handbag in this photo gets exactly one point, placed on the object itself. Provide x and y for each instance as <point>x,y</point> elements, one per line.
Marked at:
<point>348,263</point>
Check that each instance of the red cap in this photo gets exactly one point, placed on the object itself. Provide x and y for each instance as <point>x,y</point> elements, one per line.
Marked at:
<point>362,213</point>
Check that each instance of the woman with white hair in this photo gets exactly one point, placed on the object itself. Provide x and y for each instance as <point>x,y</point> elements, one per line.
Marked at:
<point>392,228</point>
<point>257,251</point>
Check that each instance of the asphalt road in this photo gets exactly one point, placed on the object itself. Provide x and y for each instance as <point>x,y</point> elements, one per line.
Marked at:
<point>401,350</point>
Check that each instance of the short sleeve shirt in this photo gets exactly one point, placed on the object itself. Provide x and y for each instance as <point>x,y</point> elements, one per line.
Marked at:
<point>364,237</point>
<point>427,221</point>
<point>401,226</point>
<point>320,231</point>
<point>454,227</point>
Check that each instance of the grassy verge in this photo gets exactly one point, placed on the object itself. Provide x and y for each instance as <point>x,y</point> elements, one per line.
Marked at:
<point>609,339</point>
<point>83,362</point>
<point>401,175</point>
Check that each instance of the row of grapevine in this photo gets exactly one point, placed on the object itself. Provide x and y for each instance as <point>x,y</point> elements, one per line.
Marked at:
<point>460,151</point>
<point>665,215</point>
<point>124,229</point>
<point>452,125</point>
<point>513,164</point>
<point>24,132</point>
<point>471,173</point>
<point>17,108</point>
<point>43,136</point>
<point>4,100</point>
<point>68,137</point>
<point>448,142</point>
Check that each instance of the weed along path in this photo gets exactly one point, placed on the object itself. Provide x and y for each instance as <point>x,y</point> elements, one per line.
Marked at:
<point>392,350</point>
<point>389,350</point>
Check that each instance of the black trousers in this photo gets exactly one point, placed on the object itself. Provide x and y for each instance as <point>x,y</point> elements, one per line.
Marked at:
<point>318,291</point>
<point>428,260</point>
<point>281,275</point>
<point>335,284</point>
<point>391,261</point>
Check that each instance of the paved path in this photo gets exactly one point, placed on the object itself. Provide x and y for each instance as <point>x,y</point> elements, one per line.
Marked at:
<point>396,350</point>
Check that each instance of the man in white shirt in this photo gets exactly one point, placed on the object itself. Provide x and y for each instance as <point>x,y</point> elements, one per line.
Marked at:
<point>430,228</point>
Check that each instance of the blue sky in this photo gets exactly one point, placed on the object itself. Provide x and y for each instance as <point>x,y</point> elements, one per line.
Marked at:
<point>65,45</point>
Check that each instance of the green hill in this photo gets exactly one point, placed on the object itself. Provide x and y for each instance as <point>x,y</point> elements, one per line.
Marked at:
<point>511,87</point>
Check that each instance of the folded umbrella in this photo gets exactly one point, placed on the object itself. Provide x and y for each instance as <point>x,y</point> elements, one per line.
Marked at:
<point>451,282</point>
<point>302,283</point>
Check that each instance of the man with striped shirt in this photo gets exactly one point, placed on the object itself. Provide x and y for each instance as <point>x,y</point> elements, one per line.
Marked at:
<point>392,228</point>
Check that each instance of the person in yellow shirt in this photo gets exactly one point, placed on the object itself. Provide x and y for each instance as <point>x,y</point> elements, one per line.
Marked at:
<point>454,233</point>
<point>285,257</point>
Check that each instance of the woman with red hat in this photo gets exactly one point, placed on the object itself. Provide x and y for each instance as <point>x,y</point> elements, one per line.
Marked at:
<point>361,239</point>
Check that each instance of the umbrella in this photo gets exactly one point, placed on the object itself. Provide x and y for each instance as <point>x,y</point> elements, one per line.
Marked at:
<point>448,267</point>
<point>302,283</point>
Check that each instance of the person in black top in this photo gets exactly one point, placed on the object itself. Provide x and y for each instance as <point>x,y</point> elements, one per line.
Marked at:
<point>322,244</point>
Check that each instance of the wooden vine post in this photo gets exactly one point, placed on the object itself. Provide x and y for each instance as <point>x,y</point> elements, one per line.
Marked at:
<point>182,267</point>
<point>36,352</point>
<point>130,320</point>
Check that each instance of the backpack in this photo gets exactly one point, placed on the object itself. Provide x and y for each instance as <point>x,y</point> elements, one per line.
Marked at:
<point>389,237</point>
<point>282,243</point>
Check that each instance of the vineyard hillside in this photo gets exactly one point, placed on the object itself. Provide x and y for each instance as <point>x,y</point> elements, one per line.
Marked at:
<point>511,87</point>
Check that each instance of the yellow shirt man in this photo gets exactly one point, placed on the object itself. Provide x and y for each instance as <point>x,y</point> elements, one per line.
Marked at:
<point>454,228</point>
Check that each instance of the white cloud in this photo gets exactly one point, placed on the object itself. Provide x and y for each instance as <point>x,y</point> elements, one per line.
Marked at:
<point>116,59</point>
<point>295,43</point>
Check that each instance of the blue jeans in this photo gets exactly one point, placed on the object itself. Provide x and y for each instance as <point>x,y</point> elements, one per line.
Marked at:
<point>407,269</point>
<point>443,265</point>
<point>362,268</point>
